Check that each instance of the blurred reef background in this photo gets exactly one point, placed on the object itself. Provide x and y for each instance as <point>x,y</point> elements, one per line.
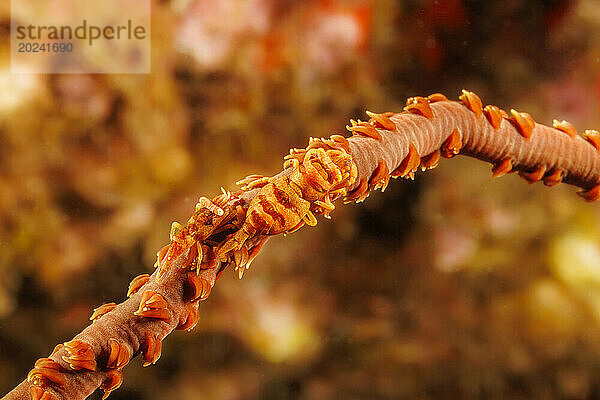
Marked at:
<point>451,286</point>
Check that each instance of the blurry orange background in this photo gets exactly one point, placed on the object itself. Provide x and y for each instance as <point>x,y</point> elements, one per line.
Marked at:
<point>451,286</point>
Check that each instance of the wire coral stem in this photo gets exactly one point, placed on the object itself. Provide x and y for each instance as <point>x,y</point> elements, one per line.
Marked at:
<point>231,228</point>
<point>578,159</point>
<point>120,324</point>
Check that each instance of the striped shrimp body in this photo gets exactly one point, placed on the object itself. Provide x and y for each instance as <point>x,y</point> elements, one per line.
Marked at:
<point>185,247</point>
<point>287,202</point>
<point>279,207</point>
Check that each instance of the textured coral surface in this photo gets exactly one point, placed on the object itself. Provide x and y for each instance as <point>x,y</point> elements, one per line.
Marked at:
<point>451,285</point>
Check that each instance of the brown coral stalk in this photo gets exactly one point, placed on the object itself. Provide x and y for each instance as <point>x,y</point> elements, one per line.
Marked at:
<point>121,325</point>
<point>387,144</point>
<point>576,157</point>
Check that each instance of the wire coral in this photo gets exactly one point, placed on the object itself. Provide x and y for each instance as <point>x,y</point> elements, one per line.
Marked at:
<point>231,228</point>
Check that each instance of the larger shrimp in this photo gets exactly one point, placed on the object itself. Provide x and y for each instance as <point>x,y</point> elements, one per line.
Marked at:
<point>284,203</point>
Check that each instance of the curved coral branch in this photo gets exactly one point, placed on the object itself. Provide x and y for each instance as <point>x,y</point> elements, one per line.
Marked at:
<point>95,357</point>
<point>232,228</point>
<point>511,144</point>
